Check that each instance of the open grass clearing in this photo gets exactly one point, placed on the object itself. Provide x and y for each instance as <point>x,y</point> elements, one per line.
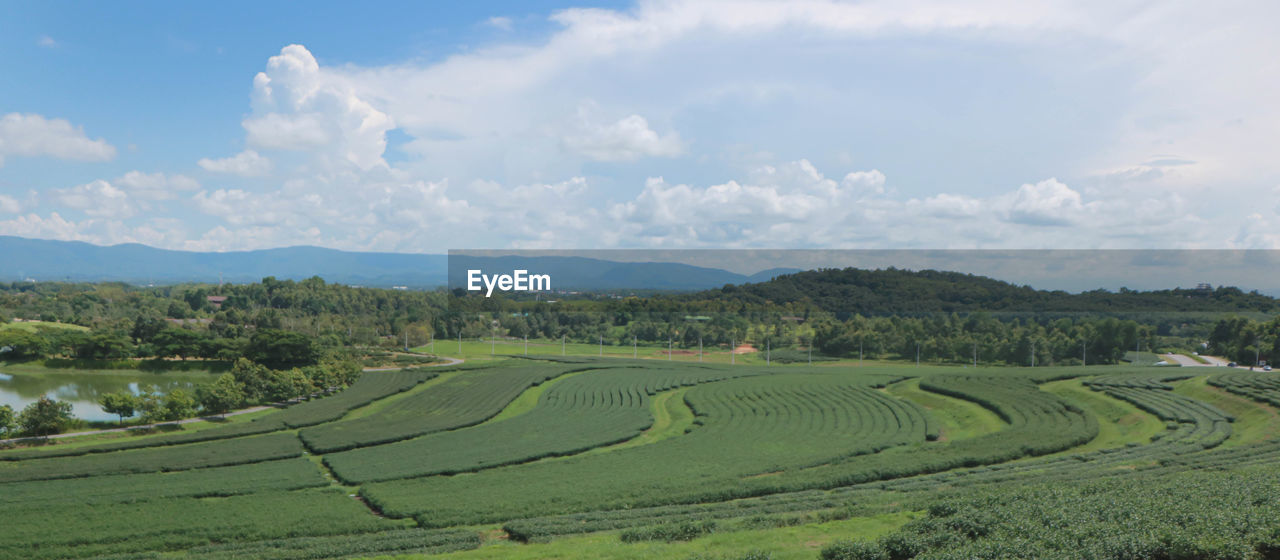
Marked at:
<point>801,542</point>
<point>1255,421</point>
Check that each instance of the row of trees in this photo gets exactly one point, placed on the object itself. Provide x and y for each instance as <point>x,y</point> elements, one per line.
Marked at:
<point>41,418</point>
<point>272,347</point>
<point>247,384</point>
<point>1246,341</point>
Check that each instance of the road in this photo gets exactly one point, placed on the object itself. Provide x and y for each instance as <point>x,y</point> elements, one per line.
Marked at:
<point>1187,361</point>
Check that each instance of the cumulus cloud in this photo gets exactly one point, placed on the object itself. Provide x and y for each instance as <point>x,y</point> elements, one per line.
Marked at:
<point>628,139</point>
<point>99,199</point>
<point>297,105</point>
<point>31,135</point>
<point>47,42</point>
<point>1048,202</point>
<point>245,164</point>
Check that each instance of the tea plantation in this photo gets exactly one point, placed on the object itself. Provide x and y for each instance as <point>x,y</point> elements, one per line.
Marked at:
<point>589,457</point>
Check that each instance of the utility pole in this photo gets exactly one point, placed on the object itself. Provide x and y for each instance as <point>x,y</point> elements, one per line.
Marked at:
<point>406,339</point>
<point>811,352</point>
<point>432,342</point>
<point>699,349</point>
<point>602,346</point>
<point>732,355</point>
<point>1033,353</point>
<point>635,348</point>
<point>526,345</point>
<point>859,351</point>
<point>668,349</point>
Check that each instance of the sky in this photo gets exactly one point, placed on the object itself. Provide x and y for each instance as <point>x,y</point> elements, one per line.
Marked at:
<point>419,127</point>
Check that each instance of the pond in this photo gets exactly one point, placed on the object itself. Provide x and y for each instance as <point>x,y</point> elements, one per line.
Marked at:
<point>83,390</point>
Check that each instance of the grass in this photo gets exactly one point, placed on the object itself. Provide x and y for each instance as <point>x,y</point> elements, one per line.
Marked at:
<point>481,351</point>
<point>1119,422</point>
<point>959,419</point>
<point>529,399</point>
<point>382,403</point>
<point>30,326</point>
<point>1254,421</point>
<point>1197,358</point>
<point>784,543</point>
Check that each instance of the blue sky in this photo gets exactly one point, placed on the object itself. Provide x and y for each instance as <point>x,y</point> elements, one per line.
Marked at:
<point>417,127</point>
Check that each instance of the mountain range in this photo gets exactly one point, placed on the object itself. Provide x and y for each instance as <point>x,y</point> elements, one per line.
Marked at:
<point>48,260</point>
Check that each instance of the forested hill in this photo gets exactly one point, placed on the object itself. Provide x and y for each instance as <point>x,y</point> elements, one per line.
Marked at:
<point>894,290</point>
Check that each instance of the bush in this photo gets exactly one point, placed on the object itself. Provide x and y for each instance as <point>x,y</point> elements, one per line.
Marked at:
<point>854,550</point>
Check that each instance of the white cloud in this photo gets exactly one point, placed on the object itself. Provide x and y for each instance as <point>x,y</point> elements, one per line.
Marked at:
<point>31,135</point>
<point>1048,202</point>
<point>300,106</point>
<point>9,205</point>
<point>46,42</point>
<point>97,198</point>
<point>628,139</point>
<point>245,164</point>
<point>155,186</point>
<point>499,22</point>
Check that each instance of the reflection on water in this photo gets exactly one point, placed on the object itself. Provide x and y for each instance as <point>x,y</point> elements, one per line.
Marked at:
<point>82,390</point>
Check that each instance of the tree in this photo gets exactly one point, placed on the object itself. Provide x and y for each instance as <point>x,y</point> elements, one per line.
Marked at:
<point>222,395</point>
<point>176,342</point>
<point>23,345</point>
<point>8,420</point>
<point>178,404</point>
<point>121,404</point>
<point>45,417</point>
<point>253,378</point>
<point>279,349</point>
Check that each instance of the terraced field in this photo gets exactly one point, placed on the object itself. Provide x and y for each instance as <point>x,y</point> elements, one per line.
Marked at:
<point>526,451</point>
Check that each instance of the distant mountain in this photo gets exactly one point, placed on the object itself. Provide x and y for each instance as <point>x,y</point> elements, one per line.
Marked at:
<point>894,290</point>
<point>46,260</point>
<point>581,273</point>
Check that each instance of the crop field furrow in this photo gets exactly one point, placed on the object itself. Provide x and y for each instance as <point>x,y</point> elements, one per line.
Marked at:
<point>589,410</point>
<point>216,453</point>
<point>371,386</point>
<point>464,400</point>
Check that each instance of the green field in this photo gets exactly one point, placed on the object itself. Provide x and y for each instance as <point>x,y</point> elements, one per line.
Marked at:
<point>589,457</point>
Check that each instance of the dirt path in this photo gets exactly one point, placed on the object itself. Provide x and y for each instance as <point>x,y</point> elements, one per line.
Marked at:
<point>250,410</point>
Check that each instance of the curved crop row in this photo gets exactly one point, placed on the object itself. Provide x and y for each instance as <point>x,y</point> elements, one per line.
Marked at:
<point>218,453</point>
<point>1260,386</point>
<point>594,409</point>
<point>463,400</point>
<point>752,436</point>
<point>369,387</point>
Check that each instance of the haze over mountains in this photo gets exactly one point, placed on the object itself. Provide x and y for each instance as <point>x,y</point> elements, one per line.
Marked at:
<point>47,260</point>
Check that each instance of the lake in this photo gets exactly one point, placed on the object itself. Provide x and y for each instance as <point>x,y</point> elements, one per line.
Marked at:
<point>82,390</point>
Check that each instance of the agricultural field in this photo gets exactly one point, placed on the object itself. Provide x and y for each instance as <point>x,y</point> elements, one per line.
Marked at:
<point>613,457</point>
